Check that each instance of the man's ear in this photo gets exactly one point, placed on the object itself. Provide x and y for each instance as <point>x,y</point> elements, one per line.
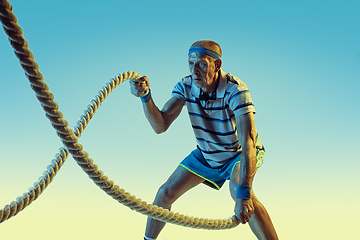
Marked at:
<point>218,64</point>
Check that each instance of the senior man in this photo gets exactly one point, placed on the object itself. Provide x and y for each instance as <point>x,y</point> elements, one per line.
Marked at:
<point>229,147</point>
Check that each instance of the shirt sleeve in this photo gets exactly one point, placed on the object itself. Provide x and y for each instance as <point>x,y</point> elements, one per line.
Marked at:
<point>179,91</point>
<point>240,101</point>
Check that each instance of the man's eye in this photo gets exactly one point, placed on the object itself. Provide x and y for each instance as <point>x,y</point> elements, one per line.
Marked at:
<point>202,64</point>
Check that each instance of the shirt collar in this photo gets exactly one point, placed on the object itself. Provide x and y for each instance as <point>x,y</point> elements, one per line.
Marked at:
<point>220,90</point>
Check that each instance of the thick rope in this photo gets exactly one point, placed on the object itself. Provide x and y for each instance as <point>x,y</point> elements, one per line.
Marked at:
<point>70,139</point>
<point>34,192</point>
<point>53,168</point>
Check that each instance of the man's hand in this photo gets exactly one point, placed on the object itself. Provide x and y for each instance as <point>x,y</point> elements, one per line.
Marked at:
<point>244,208</point>
<point>140,87</point>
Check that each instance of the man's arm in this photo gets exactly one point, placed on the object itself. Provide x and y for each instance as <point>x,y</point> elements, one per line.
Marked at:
<point>247,134</point>
<point>159,120</point>
<point>246,130</point>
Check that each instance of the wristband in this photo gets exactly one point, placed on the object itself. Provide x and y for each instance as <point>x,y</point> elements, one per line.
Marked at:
<point>146,98</point>
<point>243,192</point>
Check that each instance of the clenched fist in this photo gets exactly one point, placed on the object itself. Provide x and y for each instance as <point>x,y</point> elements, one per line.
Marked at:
<point>140,87</point>
<point>244,208</point>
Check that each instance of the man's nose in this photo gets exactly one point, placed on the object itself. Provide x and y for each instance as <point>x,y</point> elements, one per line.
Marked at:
<point>196,70</point>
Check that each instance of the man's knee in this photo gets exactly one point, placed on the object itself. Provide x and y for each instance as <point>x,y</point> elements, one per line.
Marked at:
<point>166,194</point>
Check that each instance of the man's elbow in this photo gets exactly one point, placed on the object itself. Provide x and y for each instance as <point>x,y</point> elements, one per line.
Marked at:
<point>160,129</point>
<point>161,126</point>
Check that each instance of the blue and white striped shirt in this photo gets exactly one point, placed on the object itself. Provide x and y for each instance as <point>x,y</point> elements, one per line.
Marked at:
<point>213,121</point>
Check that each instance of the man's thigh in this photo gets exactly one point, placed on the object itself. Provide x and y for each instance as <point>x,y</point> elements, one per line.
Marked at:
<point>180,181</point>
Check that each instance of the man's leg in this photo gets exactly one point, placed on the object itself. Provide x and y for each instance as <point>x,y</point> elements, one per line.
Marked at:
<point>178,183</point>
<point>260,222</point>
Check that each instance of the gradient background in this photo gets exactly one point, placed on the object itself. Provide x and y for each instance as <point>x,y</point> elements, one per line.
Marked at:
<point>301,62</point>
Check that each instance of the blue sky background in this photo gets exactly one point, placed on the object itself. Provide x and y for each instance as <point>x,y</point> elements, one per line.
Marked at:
<point>301,62</point>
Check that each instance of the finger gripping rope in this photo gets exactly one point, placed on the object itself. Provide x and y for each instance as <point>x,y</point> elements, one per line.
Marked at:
<point>70,140</point>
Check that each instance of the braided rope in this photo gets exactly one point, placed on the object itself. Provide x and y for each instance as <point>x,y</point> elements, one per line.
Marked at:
<point>70,140</point>
<point>53,168</point>
<point>34,192</point>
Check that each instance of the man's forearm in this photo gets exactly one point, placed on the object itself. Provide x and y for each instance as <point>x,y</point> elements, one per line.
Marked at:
<point>247,165</point>
<point>154,116</point>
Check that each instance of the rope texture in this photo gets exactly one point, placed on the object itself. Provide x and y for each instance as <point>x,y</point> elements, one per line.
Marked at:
<point>70,140</point>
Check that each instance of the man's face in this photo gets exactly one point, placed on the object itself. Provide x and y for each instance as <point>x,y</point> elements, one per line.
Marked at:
<point>202,69</point>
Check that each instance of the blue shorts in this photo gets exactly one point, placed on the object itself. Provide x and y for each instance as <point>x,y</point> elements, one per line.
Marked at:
<point>215,177</point>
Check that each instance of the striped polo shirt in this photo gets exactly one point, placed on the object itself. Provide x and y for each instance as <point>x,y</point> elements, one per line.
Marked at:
<point>213,121</point>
